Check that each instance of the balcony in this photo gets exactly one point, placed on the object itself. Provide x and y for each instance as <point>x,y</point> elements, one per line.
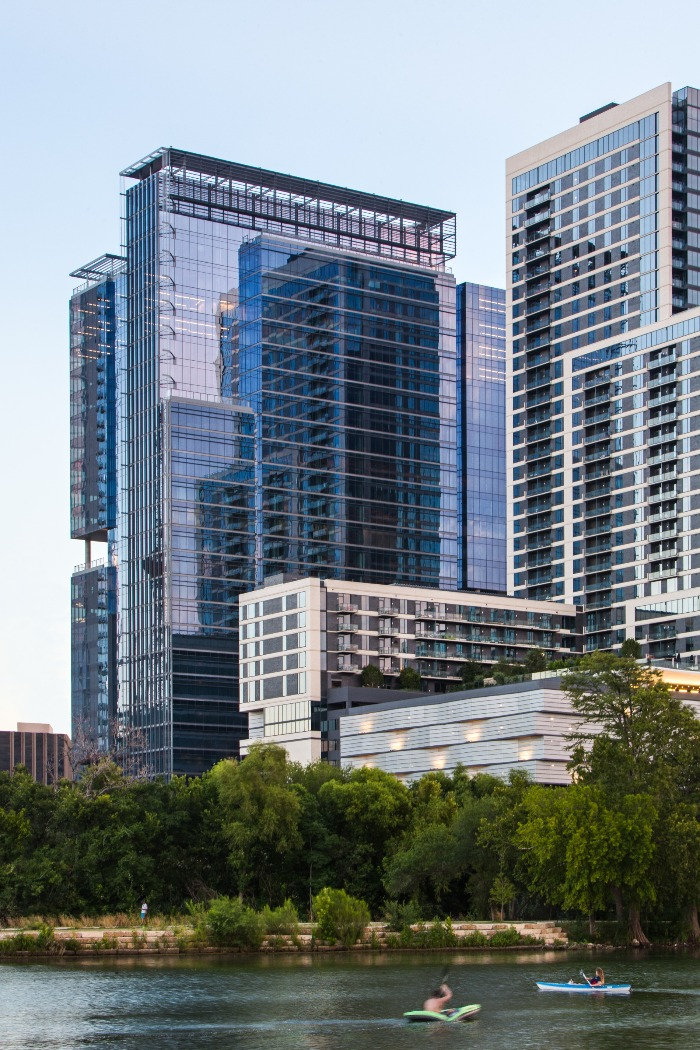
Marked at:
<point>597,454</point>
<point>544,470</point>
<point>667,416</point>
<point>538,452</point>
<point>537,579</point>
<point>599,565</point>
<point>663,515</point>
<point>347,607</point>
<point>662,573</point>
<point>387,610</point>
<point>345,628</point>
<point>597,380</point>
<point>604,528</point>
<point>539,488</point>
<point>539,506</point>
<point>593,475</point>
<point>661,439</point>
<point>538,379</point>
<point>541,216</point>
<point>662,380</point>
<point>539,526</point>
<point>540,198</point>
<point>539,433</point>
<point>538,307</point>
<point>597,400</point>
<point>538,323</point>
<point>602,583</point>
<point>538,560</point>
<point>535,344</point>
<point>537,271</point>
<point>596,548</point>
<point>665,530</point>
<point>662,497</point>
<point>346,647</point>
<point>663,457</point>
<point>387,632</point>
<point>594,491</point>
<point>347,665</point>
<point>537,289</point>
<point>601,416</point>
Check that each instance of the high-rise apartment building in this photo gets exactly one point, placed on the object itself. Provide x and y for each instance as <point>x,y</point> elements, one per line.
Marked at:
<point>603,295</point>
<point>288,397</point>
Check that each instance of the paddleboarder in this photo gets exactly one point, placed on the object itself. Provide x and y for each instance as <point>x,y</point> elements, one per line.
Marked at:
<point>438,1000</point>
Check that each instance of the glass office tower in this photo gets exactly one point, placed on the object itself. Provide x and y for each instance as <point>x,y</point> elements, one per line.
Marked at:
<point>481,394</point>
<point>603,291</point>
<point>93,320</point>
<point>285,401</point>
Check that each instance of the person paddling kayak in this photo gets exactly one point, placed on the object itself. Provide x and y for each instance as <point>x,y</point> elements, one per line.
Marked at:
<point>598,978</point>
<point>438,1000</point>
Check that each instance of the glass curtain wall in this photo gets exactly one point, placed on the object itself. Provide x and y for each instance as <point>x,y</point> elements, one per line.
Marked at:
<point>482,413</point>
<point>349,364</point>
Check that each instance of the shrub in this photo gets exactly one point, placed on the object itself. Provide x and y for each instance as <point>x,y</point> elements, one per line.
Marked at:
<point>475,939</point>
<point>505,938</point>
<point>340,917</point>
<point>398,914</point>
<point>284,919</point>
<point>371,676</point>
<point>229,923</point>
<point>437,935</point>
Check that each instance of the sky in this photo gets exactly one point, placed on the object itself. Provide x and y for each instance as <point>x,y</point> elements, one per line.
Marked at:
<point>417,100</point>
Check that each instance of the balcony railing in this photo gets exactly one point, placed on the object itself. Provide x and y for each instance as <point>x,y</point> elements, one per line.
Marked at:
<point>347,607</point>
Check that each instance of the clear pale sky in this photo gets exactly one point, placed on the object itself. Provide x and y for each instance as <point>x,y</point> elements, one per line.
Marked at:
<point>419,99</point>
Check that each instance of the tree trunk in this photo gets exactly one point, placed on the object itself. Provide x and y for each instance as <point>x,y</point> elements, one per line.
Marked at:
<point>637,934</point>
<point>694,924</point>
<point>619,908</point>
<point>591,923</point>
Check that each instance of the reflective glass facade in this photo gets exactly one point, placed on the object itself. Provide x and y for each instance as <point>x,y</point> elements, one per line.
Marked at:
<point>93,653</point>
<point>349,363</point>
<point>286,367</point>
<point>481,352</point>
<point>93,333</point>
<point>95,309</point>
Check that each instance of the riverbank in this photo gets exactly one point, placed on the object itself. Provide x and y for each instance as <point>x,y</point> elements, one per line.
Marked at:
<point>50,940</point>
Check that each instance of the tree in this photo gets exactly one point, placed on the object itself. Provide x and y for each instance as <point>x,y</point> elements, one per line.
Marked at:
<point>371,676</point>
<point>631,648</point>
<point>472,674</point>
<point>634,738</point>
<point>576,846</point>
<point>633,734</point>
<point>535,661</point>
<point>408,678</point>
<point>261,819</point>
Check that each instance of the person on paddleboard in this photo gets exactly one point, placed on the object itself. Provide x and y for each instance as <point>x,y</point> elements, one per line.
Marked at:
<point>438,1000</point>
<point>598,978</point>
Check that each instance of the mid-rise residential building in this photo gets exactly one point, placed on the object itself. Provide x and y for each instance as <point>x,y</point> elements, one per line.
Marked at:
<point>303,638</point>
<point>603,297</point>
<point>34,745</point>
<point>288,395</point>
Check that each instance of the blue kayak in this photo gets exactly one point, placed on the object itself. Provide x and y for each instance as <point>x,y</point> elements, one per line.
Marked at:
<point>593,989</point>
<point>463,1013</point>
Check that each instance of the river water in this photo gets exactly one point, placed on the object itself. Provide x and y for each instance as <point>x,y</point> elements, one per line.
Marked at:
<point>338,1001</point>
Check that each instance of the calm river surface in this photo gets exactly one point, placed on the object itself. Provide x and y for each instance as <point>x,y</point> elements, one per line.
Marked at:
<point>337,1002</point>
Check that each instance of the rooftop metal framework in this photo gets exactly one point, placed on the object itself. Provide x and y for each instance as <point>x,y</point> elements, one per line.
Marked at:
<point>236,194</point>
<point>98,269</point>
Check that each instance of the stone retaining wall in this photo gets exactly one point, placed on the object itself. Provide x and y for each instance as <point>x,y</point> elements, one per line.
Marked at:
<point>173,940</point>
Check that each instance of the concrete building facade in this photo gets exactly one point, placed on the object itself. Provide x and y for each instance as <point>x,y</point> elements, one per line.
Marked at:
<point>603,380</point>
<point>300,639</point>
